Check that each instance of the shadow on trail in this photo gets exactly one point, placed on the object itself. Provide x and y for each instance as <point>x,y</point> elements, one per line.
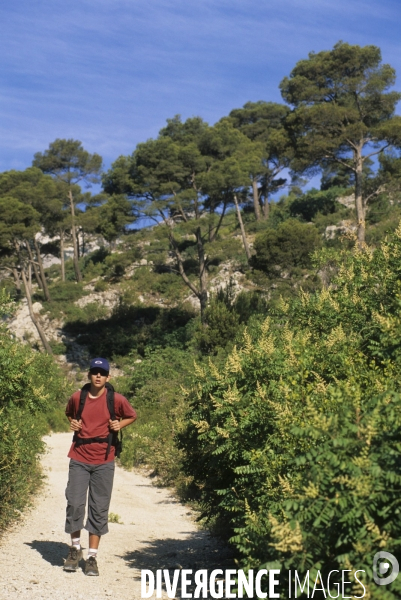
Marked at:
<point>52,552</point>
<point>199,551</point>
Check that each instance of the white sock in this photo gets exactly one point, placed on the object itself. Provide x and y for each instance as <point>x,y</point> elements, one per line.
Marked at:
<point>92,552</point>
<point>76,542</point>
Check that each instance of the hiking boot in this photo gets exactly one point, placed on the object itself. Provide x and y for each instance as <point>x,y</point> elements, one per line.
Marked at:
<point>73,558</point>
<point>91,566</point>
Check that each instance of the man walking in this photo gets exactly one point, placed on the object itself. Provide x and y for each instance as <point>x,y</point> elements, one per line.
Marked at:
<point>92,453</point>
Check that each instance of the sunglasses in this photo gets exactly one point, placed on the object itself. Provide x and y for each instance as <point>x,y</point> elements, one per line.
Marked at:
<point>101,372</point>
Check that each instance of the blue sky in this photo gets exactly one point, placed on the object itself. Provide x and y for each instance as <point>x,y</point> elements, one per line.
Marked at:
<point>110,72</point>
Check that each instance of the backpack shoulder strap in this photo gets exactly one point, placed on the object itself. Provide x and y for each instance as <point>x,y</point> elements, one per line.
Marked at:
<point>82,398</point>
<point>110,401</point>
<point>110,406</point>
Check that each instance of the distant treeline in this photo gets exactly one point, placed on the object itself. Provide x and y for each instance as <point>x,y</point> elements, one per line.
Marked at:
<point>338,118</point>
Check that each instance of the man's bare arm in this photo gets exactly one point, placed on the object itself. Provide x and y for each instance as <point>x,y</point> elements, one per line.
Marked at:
<point>74,424</point>
<point>117,425</point>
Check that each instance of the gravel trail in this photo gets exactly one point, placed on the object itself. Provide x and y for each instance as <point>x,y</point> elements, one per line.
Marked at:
<point>157,532</point>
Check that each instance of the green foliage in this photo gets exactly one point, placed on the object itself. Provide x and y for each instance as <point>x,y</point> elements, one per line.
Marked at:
<point>388,224</point>
<point>115,518</point>
<point>69,161</point>
<point>249,304</point>
<point>58,347</point>
<point>341,106</point>
<point>18,222</point>
<point>264,123</point>
<point>30,403</point>
<point>63,304</point>
<point>111,217</point>
<point>189,173</point>
<point>151,284</point>
<point>226,248</point>
<point>132,329</point>
<point>221,329</point>
<point>341,174</point>
<point>155,391</point>
<point>313,202</point>
<point>285,248</point>
<point>101,286</point>
<point>293,445</point>
<point>340,97</point>
<point>64,294</point>
<point>67,291</point>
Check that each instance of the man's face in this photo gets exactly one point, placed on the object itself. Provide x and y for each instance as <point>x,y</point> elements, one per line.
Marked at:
<point>98,377</point>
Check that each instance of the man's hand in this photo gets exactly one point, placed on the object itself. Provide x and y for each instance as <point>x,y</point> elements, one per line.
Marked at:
<point>76,425</point>
<point>114,425</point>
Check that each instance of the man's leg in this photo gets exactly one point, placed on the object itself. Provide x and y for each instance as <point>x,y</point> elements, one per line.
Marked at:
<point>100,488</point>
<point>76,539</point>
<point>94,541</point>
<point>76,491</point>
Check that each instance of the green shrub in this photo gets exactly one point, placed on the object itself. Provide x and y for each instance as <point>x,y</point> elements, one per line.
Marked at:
<point>58,347</point>
<point>116,264</point>
<point>221,329</point>
<point>63,295</point>
<point>32,395</point>
<point>294,445</point>
<point>288,246</point>
<point>154,389</point>
<point>169,286</point>
<point>248,304</point>
<point>132,329</point>
<point>101,286</point>
<point>67,291</point>
<point>315,201</point>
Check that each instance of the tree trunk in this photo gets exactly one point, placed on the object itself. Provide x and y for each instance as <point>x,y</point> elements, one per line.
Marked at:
<point>203,296</point>
<point>256,205</point>
<point>215,230</point>
<point>34,320</point>
<point>360,208</point>
<point>181,269</point>
<point>211,223</point>
<point>35,268</point>
<point>42,272</point>
<point>78,275</point>
<point>30,277</point>
<point>62,256</point>
<point>266,208</point>
<point>241,224</point>
<point>17,281</point>
<point>83,242</point>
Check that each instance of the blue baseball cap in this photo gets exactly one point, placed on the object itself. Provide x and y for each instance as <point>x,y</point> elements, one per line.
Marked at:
<point>100,363</point>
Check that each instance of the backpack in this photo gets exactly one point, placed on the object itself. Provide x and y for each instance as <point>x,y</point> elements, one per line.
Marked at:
<point>112,439</point>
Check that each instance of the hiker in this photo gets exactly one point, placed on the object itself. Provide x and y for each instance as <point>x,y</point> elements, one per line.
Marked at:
<point>94,414</point>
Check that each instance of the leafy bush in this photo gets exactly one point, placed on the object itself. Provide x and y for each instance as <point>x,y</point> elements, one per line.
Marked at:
<point>315,201</point>
<point>132,329</point>
<point>67,291</point>
<point>116,264</point>
<point>58,347</point>
<point>288,246</point>
<point>154,389</point>
<point>32,389</point>
<point>222,327</point>
<point>248,304</point>
<point>294,446</point>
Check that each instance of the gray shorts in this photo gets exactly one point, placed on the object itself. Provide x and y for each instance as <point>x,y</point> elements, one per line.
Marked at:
<point>99,480</point>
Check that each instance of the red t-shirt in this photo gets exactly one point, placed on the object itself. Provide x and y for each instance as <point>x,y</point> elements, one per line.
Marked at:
<point>95,423</point>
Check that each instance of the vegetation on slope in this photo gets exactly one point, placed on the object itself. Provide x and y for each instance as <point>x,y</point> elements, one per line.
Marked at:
<point>258,340</point>
<point>32,403</point>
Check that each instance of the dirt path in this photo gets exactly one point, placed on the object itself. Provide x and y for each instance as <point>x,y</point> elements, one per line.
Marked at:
<point>157,533</point>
